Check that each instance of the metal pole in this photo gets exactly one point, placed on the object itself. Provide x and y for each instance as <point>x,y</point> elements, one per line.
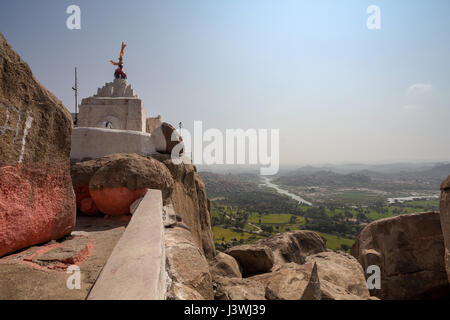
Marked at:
<point>75,88</point>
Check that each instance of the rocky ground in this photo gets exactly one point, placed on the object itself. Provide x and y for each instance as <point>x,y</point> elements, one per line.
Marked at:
<point>39,272</point>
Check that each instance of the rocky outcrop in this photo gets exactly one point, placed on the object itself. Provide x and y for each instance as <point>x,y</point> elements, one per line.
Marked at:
<point>409,250</point>
<point>125,178</point>
<point>191,203</point>
<point>445,221</point>
<point>303,270</point>
<point>290,281</point>
<point>238,289</point>
<point>165,138</point>
<point>341,276</point>
<point>225,265</point>
<point>187,266</point>
<point>294,282</point>
<point>253,259</point>
<point>293,246</point>
<point>112,183</point>
<point>116,181</point>
<point>36,194</point>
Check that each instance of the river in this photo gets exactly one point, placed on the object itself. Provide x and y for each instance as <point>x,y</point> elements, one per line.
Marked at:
<point>268,183</point>
<point>412,198</point>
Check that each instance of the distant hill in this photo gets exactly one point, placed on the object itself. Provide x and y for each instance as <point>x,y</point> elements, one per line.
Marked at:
<point>221,184</point>
<point>423,177</point>
<point>324,178</point>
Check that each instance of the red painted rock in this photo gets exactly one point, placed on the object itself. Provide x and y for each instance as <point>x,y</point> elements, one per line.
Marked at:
<point>36,205</point>
<point>37,202</point>
<point>81,174</point>
<point>123,178</point>
<point>81,193</point>
<point>88,206</point>
<point>116,201</point>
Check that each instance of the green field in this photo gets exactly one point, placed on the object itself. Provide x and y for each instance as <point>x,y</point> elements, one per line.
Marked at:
<point>227,235</point>
<point>273,218</point>
<point>335,242</point>
<point>229,222</point>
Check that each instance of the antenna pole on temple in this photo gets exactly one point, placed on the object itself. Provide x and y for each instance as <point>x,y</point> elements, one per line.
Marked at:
<point>75,89</point>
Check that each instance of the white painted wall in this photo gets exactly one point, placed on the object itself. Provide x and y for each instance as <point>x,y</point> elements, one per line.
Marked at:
<point>95,143</point>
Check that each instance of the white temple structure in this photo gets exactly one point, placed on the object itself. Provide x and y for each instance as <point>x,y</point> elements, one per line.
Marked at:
<point>114,121</point>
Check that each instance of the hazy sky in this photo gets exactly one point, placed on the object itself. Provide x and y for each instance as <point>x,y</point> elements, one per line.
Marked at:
<point>336,90</point>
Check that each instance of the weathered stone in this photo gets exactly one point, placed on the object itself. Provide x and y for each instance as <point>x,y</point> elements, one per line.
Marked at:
<point>133,172</point>
<point>165,138</point>
<point>191,203</point>
<point>70,252</point>
<point>293,246</point>
<point>225,265</point>
<point>330,291</point>
<point>81,173</point>
<point>238,289</point>
<point>341,270</point>
<point>37,203</point>
<point>39,272</point>
<point>253,259</point>
<point>294,282</point>
<point>186,263</point>
<point>446,184</point>
<point>123,179</point>
<point>179,291</point>
<point>409,249</point>
<point>88,207</point>
<point>115,201</point>
<point>445,221</point>
<point>170,218</point>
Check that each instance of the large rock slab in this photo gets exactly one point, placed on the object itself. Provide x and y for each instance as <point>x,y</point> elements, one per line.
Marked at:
<point>409,250</point>
<point>190,201</point>
<point>253,259</point>
<point>445,221</point>
<point>238,289</point>
<point>165,138</point>
<point>187,266</point>
<point>225,265</point>
<point>40,272</point>
<point>294,282</point>
<point>116,181</point>
<point>341,276</point>
<point>290,281</point>
<point>36,195</point>
<point>293,246</point>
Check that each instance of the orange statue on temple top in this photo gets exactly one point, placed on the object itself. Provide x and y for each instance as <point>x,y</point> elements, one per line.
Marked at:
<point>119,74</point>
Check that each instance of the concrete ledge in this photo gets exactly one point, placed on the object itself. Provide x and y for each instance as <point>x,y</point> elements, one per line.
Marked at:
<point>93,143</point>
<point>136,268</point>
